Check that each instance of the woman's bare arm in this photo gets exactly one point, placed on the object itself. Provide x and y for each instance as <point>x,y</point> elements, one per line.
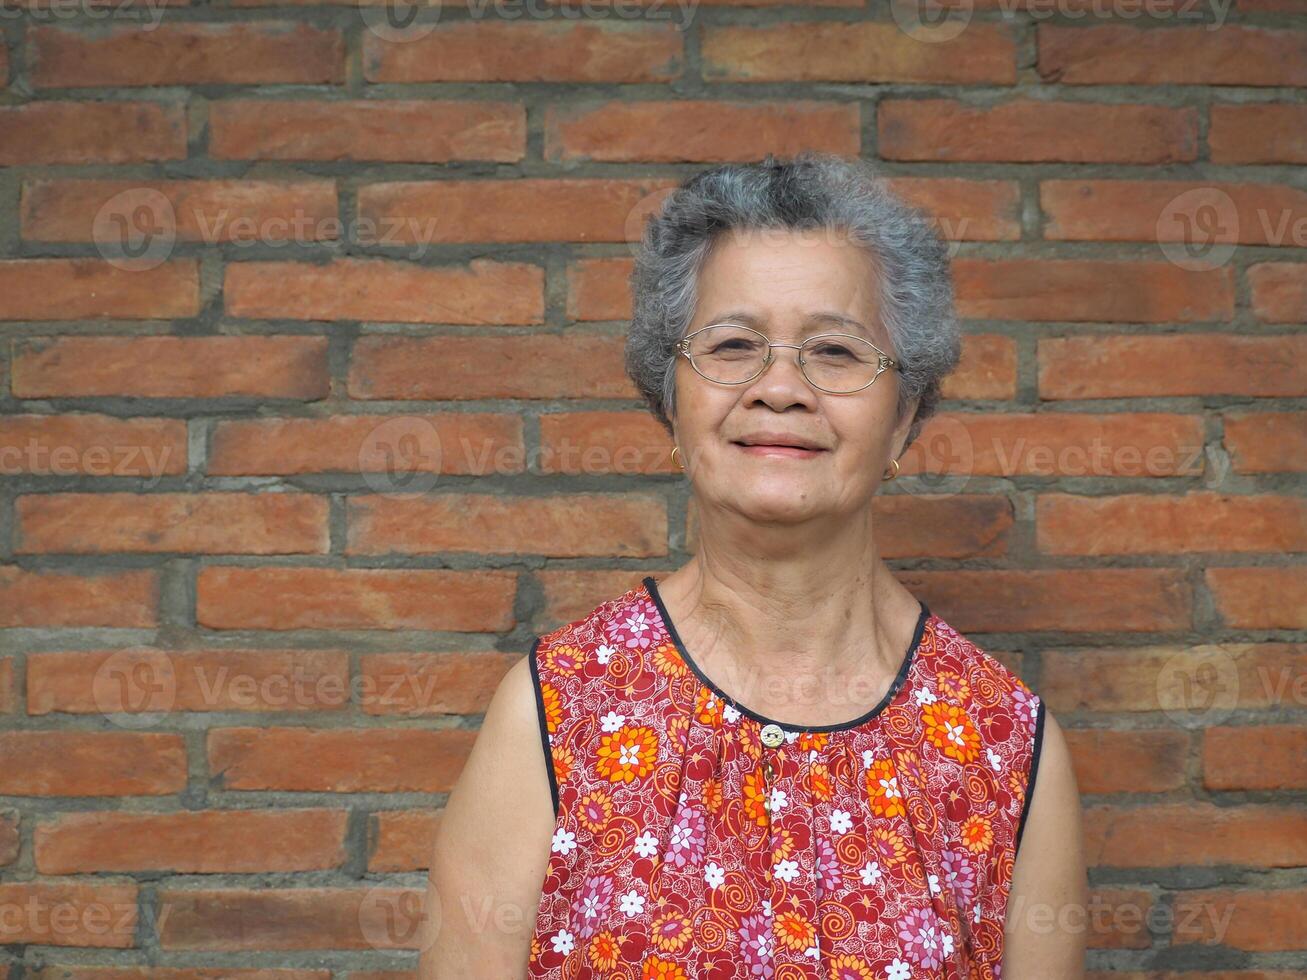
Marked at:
<point>491,847</point>
<point>1047,915</point>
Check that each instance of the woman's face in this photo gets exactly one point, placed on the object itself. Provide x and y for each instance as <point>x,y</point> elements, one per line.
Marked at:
<point>783,279</point>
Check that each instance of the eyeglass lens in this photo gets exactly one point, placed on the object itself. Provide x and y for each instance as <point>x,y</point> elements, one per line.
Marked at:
<point>732,354</point>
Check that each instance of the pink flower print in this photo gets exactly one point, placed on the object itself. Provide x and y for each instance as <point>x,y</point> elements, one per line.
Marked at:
<point>755,945</point>
<point>919,933</point>
<point>960,875</point>
<point>828,866</point>
<point>1025,704</point>
<point>592,901</point>
<point>689,832</point>
<point>636,629</point>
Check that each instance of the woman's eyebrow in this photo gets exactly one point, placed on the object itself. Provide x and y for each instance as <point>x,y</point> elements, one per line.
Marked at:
<point>822,316</point>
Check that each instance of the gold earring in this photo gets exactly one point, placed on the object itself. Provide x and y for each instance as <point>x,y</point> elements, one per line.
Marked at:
<point>675,450</point>
<point>895,464</point>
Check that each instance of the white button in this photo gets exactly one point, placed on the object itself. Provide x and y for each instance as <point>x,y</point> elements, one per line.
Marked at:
<point>772,736</point>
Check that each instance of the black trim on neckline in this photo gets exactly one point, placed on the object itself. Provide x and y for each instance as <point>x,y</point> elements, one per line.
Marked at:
<point>1034,771</point>
<point>652,587</point>
<point>534,667</point>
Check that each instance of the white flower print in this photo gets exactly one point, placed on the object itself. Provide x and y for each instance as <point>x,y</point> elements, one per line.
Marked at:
<point>563,942</point>
<point>995,760</point>
<point>646,845</point>
<point>840,822</point>
<point>925,696</point>
<point>868,757</point>
<point>790,737</point>
<point>766,907</point>
<point>898,970</point>
<point>975,912</point>
<point>731,713</point>
<point>604,653</point>
<point>713,874</point>
<point>947,943</point>
<point>632,903</point>
<point>870,873</point>
<point>933,881</point>
<point>778,800</point>
<point>786,870</point>
<point>812,951</point>
<point>564,841</point>
<point>612,721</point>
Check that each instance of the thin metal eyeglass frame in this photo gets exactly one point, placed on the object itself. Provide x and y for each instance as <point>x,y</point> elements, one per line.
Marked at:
<point>884,360</point>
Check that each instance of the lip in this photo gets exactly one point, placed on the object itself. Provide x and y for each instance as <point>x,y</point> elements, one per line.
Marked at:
<point>782,452</point>
<point>778,440</point>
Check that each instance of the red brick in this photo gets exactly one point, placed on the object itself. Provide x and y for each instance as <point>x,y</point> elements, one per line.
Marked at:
<point>41,599</point>
<point>338,760</point>
<point>431,683</point>
<point>1260,921</point>
<point>1071,600</point>
<point>572,593</point>
<point>1266,442</point>
<point>573,365</point>
<point>1090,290</point>
<point>456,443</point>
<point>697,130</point>
<point>602,442</point>
<point>1110,54</point>
<point>8,688</point>
<point>557,526</point>
<point>81,289</point>
<point>524,209</point>
<point>1134,761</point>
<point>1200,365</point>
<point>1058,444</point>
<point>209,211</point>
<point>1159,211</point>
<point>298,597</point>
<point>1259,757</point>
<point>98,915</point>
<point>539,51</point>
<point>401,840</point>
<point>384,130</point>
<point>1118,918</point>
<point>180,367</point>
<point>1259,132</point>
<point>1174,678</point>
<point>91,445</point>
<point>860,52</point>
<point>483,292</point>
<point>62,971</point>
<point>91,132</point>
<point>155,680</point>
<point>251,53</point>
<point>194,842</point>
<point>1192,832</point>
<point>988,369</point>
<point>965,210</point>
<point>1036,131</point>
<point>198,523</point>
<point>10,842</point>
<point>52,763</point>
<point>1260,598</point>
<point>1157,523</point>
<point>1279,291</point>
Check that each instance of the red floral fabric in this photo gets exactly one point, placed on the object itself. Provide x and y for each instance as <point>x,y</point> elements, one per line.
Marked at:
<point>886,851</point>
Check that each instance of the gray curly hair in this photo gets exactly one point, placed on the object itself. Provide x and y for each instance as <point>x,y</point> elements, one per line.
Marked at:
<point>812,190</point>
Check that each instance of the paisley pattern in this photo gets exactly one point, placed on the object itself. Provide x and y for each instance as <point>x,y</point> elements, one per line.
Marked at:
<point>686,848</point>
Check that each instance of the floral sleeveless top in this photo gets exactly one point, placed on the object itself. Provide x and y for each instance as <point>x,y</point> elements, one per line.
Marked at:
<point>699,840</point>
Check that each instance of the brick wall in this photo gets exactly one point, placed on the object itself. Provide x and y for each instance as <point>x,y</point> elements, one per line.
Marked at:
<point>314,415</point>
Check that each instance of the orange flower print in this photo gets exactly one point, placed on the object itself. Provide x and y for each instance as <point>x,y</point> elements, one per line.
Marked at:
<point>657,968</point>
<point>950,730</point>
<point>793,931</point>
<point>819,781</point>
<point>594,810</point>
<point>852,968</point>
<point>667,661</point>
<point>604,951</point>
<point>712,794</point>
<point>889,846</point>
<point>782,845</point>
<point>553,706</point>
<point>627,754</point>
<point>708,707</point>
<point>883,789</point>
<point>976,833</point>
<point>813,740</point>
<point>754,797</point>
<point>953,685</point>
<point>670,932</point>
<point>1016,784</point>
<point>564,762</point>
<point>565,656</point>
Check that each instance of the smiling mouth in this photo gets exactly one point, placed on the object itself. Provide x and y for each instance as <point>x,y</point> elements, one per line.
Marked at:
<point>778,448</point>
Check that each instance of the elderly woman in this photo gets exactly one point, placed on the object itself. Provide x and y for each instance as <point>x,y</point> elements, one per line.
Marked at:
<point>775,761</point>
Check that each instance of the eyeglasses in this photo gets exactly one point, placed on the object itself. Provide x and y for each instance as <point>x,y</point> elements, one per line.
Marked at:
<point>731,354</point>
